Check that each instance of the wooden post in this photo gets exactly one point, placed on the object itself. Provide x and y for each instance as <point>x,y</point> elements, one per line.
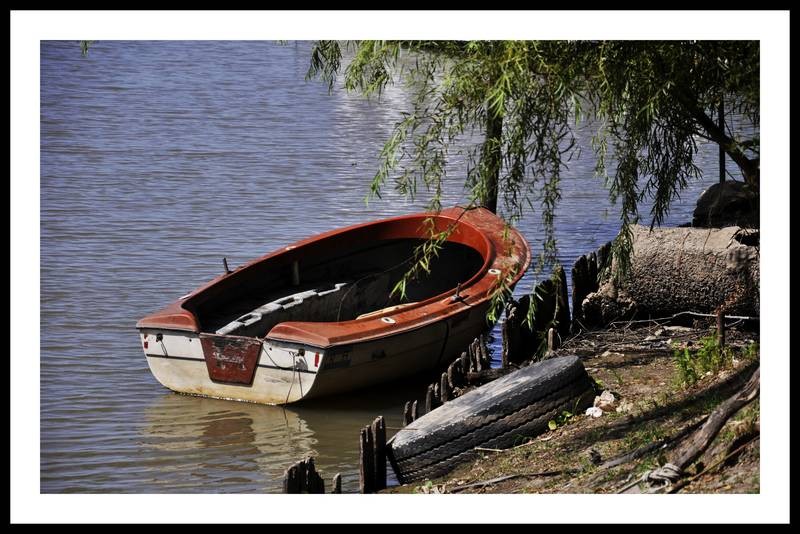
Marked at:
<point>464,362</point>
<point>443,389</point>
<point>484,350</point>
<point>302,477</point>
<point>454,375</point>
<point>552,340</point>
<point>721,329</point>
<point>314,482</point>
<point>429,399</point>
<point>510,336</point>
<point>337,483</point>
<point>562,316</point>
<point>379,452</point>
<point>366,468</point>
<point>545,308</point>
<point>580,288</point>
<point>415,410</point>
<point>407,414</point>
<point>291,484</point>
<point>591,261</point>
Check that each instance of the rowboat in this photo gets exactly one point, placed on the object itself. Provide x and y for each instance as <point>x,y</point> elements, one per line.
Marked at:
<point>319,317</point>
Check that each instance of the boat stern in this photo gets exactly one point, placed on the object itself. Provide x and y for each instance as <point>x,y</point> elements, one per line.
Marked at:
<point>231,367</point>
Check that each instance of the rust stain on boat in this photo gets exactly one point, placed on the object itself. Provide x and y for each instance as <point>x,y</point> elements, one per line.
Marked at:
<point>231,359</point>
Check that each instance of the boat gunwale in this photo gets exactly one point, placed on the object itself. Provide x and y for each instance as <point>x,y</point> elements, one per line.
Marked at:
<point>177,317</point>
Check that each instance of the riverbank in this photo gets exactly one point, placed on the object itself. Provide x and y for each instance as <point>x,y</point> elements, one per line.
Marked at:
<point>660,396</point>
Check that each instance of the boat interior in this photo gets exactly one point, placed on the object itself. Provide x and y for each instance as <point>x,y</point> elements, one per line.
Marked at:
<point>327,286</point>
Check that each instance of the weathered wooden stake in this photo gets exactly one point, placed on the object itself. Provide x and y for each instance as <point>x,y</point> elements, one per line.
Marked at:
<point>415,410</point>
<point>407,414</point>
<point>464,359</point>
<point>562,316</point>
<point>484,350</point>
<point>366,465</point>
<point>302,477</point>
<point>337,483</point>
<point>721,328</point>
<point>455,376</point>
<point>443,389</point>
<point>379,451</point>
<point>552,340</point>
<point>429,399</point>
<point>592,262</point>
<point>314,482</point>
<point>580,288</point>
<point>291,484</point>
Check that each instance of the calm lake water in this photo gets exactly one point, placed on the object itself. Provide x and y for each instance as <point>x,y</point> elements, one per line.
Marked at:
<point>160,158</point>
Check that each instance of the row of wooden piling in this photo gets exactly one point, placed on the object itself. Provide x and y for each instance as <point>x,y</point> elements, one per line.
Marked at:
<point>587,272</point>
<point>523,340</point>
<point>302,477</point>
<point>372,457</point>
<point>550,320</point>
<point>449,385</point>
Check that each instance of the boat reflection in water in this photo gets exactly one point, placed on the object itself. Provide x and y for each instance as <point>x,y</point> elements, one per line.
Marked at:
<point>196,444</point>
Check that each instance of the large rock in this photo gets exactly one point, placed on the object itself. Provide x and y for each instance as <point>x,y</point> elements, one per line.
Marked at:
<point>730,203</point>
<point>683,269</point>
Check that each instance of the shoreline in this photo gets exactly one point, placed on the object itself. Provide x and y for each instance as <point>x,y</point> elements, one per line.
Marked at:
<point>651,414</point>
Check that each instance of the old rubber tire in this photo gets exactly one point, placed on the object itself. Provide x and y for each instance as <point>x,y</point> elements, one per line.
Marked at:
<point>498,415</point>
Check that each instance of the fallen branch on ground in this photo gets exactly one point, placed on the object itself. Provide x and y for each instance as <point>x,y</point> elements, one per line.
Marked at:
<point>695,445</point>
<point>641,451</point>
<point>685,482</point>
<point>518,475</point>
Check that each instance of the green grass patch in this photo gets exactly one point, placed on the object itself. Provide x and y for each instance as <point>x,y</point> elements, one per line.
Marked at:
<point>709,357</point>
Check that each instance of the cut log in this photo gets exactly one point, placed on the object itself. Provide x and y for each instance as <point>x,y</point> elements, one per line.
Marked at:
<point>683,269</point>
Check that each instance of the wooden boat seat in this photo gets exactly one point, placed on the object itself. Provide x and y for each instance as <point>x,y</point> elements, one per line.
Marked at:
<point>256,322</point>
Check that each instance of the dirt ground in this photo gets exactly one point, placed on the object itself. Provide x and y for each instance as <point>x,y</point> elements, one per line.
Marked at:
<point>654,408</point>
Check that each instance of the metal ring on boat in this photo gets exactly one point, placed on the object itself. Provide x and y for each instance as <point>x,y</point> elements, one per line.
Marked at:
<point>494,271</point>
<point>388,320</point>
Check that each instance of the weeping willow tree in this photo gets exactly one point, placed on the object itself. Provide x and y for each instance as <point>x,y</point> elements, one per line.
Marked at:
<point>648,101</point>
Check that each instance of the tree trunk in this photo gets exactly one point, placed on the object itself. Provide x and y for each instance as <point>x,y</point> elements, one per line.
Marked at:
<point>492,157</point>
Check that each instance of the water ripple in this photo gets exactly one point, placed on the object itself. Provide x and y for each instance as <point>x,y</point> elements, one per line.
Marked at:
<point>160,158</point>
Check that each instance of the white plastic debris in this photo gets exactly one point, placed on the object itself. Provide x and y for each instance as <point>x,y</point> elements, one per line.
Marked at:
<point>594,411</point>
<point>606,401</point>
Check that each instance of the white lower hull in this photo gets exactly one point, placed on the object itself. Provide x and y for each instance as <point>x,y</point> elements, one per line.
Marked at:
<point>286,374</point>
